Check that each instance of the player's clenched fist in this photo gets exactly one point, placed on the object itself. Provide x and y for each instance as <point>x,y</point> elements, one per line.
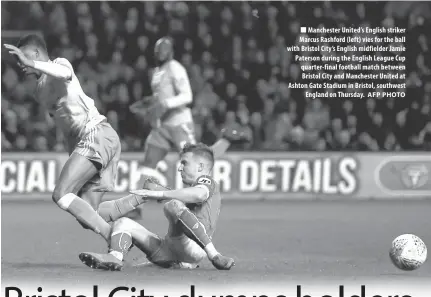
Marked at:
<point>22,59</point>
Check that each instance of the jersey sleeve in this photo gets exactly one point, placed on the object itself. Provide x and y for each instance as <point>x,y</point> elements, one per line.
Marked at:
<point>207,183</point>
<point>180,78</point>
<point>64,62</point>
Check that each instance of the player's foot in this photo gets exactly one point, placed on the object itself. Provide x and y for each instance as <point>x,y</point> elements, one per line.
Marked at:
<point>223,263</point>
<point>101,261</point>
<point>235,133</point>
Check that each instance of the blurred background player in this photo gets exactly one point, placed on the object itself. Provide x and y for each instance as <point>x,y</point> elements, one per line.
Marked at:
<point>192,213</point>
<point>168,112</point>
<point>93,145</point>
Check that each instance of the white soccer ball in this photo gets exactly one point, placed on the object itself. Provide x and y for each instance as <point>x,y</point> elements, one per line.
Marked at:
<point>408,252</point>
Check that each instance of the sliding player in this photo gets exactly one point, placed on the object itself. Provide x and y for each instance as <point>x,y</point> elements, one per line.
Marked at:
<point>192,213</point>
<point>93,145</point>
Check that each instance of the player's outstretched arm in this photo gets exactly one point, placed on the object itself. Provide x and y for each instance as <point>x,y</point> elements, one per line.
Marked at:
<point>59,69</point>
<point>195,194</point>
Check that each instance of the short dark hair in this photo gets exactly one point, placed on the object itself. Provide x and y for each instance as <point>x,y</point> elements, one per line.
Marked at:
<point>199,149</point>
<point>34,40</point>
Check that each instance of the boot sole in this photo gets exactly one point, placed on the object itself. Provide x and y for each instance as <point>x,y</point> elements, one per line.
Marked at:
<point>95,263</point>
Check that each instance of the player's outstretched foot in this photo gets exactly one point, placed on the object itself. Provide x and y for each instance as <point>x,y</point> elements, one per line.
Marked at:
<point>223,263</point>
<point>235,133</point>
<point>101,261</point>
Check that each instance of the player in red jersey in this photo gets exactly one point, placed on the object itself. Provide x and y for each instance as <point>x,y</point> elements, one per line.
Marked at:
<point>192,213</point>
<point>168,112</point>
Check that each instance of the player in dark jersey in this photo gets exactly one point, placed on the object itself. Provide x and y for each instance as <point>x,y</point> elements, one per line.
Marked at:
<point>192,213</point>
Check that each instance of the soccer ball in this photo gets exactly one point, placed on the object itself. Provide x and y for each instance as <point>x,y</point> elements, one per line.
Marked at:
<point>408,252</point>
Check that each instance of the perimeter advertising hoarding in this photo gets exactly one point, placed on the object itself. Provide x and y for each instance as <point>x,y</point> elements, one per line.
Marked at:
<point>249,175</point>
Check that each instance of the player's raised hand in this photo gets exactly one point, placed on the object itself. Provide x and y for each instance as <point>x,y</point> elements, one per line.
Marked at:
<point>22,59</point>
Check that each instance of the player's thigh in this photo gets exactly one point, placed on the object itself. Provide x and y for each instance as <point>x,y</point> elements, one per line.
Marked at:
<point>182,134</point>
<point>77,171</point>
<point>143,239</point>
<point>106,147</point>
<point>103,147</point>
<point>156,147</point>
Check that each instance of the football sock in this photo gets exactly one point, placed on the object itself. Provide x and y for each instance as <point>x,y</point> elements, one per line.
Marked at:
<point>85,214</point>
<point>115,209</point>
<point>192,225</point>
<point>220,147</point>
<point>121,243</point>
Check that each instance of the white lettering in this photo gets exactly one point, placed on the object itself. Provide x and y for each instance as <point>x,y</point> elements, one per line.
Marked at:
<point>267,176</point>
<point>248,176</point>
<point>51,175</point>
<point>222,172</point>
<point>286,166</point>
<point>317,176</point>
<point>36,177</point>
<point>348,185</point>
<point>8,168</point>
<point>21,178</point>
<point>302,177</point>
<point>326,182</point>
<point>123,184</point>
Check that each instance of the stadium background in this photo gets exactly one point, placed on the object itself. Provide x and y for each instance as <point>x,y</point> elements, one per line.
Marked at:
<point>239,68</point>
<point>236,57</point>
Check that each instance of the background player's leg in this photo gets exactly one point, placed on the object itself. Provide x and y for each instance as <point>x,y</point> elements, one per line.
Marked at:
<point>153,154</point>
<point>220,147</point>
<point>156,148</point>
<point>75,173</point>
<point>230,134</point>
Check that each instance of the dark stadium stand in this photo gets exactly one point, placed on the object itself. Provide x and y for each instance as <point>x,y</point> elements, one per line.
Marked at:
<point>236,57</point>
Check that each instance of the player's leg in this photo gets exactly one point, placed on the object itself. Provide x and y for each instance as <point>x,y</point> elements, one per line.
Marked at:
<point>185,133</point>
<point>183,221</point>
<point>99,153</point>
<point>75,173</point>
<point>125,232</point>
<point>125,206</point>
<point>115,209</point>
<point>230,134</point>
<point>156,148</point>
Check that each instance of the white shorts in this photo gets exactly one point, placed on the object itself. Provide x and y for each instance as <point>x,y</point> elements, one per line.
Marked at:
<point>174,251</point>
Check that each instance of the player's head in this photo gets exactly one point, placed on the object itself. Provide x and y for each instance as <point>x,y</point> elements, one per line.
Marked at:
<point>164,49</point>
<point>196,160</point>
<point>34,47</point>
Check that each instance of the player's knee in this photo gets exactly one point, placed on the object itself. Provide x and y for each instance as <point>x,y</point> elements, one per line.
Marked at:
<point>61,190</point>
<point>123,224</point>
<point>174,208</point>
<point>58,193</point>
